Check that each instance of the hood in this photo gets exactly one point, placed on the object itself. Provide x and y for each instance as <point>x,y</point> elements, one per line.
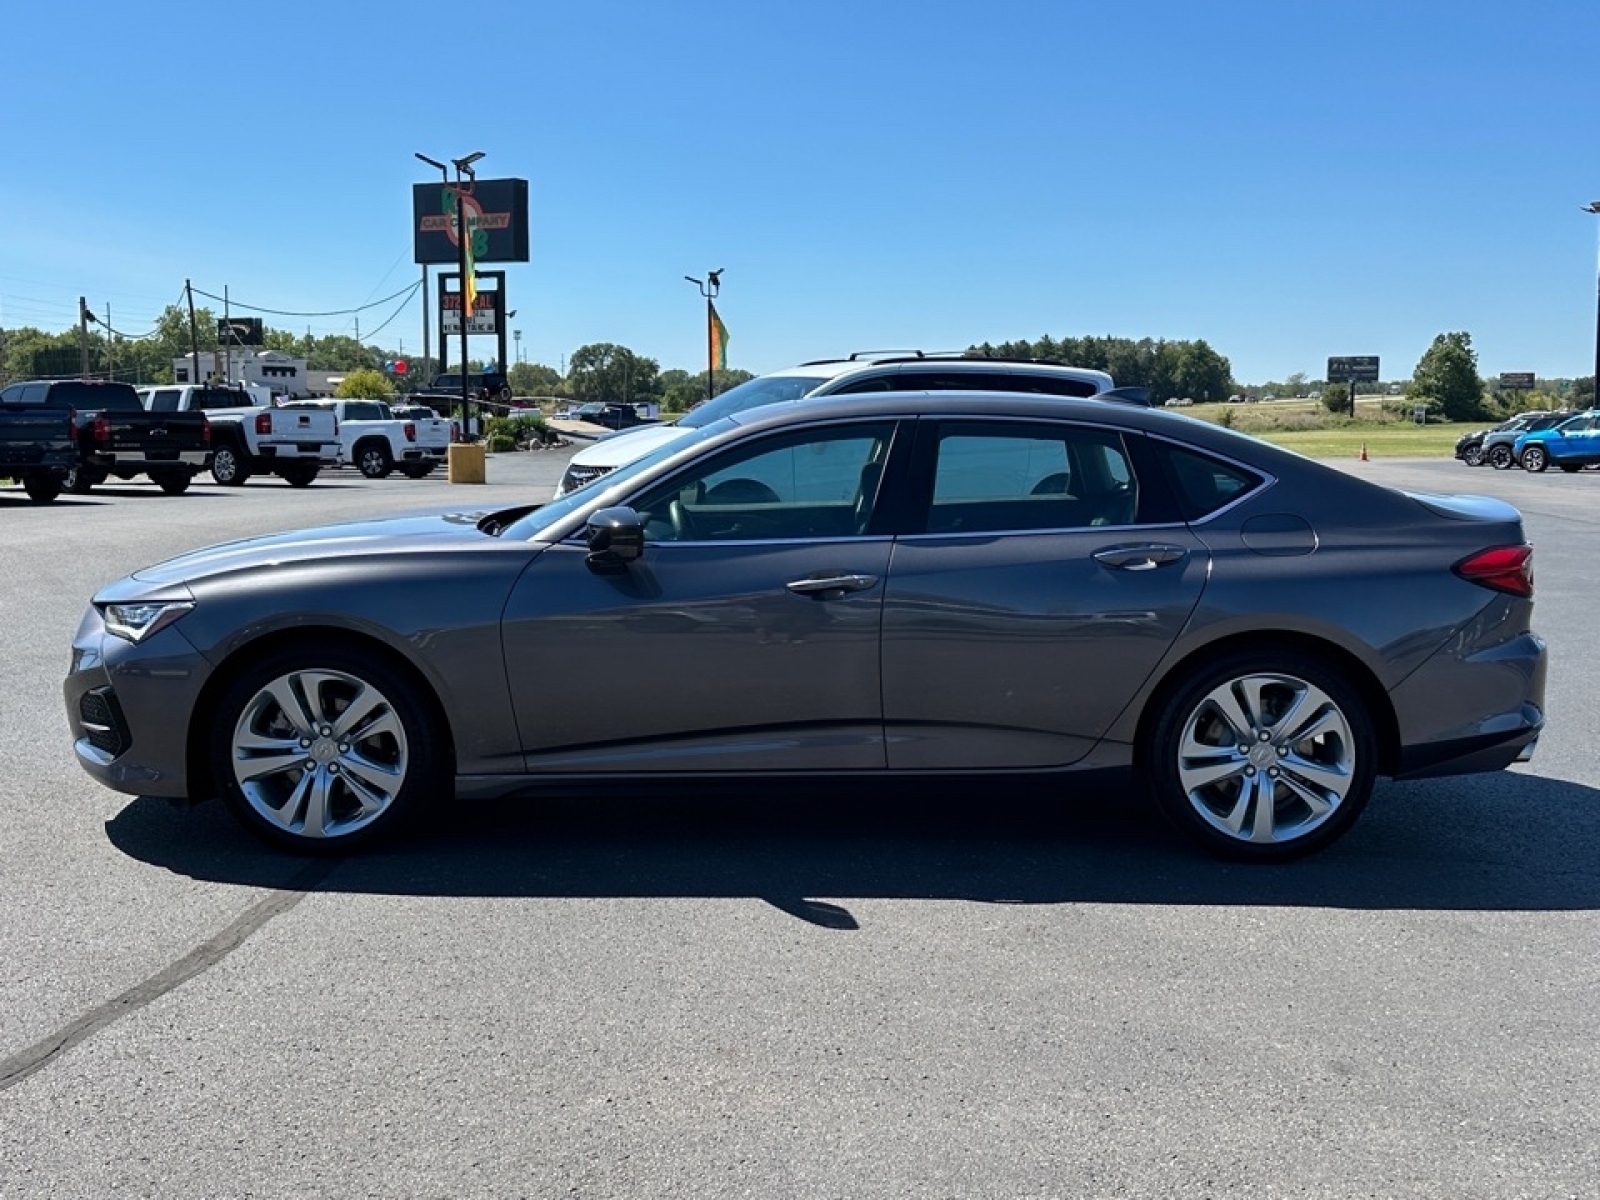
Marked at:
<point>410,533</point>
<point>622,449</point>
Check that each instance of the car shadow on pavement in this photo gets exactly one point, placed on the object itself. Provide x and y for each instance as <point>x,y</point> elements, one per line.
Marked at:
<point>1499,842</point>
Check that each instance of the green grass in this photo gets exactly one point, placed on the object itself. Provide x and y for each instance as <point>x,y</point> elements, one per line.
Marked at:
<point>1307,427</point>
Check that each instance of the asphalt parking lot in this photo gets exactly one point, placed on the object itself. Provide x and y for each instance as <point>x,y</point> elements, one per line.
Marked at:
<point>961,991</point>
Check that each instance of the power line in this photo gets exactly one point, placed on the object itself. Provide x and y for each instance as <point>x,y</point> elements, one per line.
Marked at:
<point>276,312</point>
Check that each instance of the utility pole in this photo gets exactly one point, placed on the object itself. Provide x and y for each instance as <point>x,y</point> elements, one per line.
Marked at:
<point>83,338</point>
<point>194,336</point>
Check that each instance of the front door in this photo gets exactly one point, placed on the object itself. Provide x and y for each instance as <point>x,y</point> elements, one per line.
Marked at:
<point>745,637</point>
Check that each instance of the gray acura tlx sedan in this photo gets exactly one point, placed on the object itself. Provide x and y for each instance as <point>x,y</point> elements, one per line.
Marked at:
<point>915,583</point>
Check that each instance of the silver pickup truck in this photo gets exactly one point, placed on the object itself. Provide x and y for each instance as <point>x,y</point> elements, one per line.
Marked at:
<point>248,438</point>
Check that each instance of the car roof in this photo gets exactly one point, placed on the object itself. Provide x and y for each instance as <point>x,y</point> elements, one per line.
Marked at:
<point>876,362</point>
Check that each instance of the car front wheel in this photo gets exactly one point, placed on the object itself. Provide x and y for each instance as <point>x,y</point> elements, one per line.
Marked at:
<point>1500,458</point>
<point>324,749</point>
<point>374,461</point>
<point>1262,758</point>
<point>1535,459</point>
<point>1473,455</point>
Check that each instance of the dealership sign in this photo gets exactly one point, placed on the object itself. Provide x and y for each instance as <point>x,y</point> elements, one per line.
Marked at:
<point>496,218</point>
<point>1358,369</point>
<point>1516,380</point>
<point>484,318</point>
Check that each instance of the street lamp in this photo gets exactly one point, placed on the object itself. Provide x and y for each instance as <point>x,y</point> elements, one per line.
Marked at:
<point>463,167</point>
<point>709,287</point>
<point>1595,209</point>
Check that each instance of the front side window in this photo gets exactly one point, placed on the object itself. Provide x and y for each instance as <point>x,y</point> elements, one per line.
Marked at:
<point>996,478</point>
<point>819,483</point>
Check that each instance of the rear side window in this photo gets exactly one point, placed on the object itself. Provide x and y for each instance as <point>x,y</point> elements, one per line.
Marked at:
<point>1205,484</point>
<point>114,397</point>
<point>999,477</point>
<point>164,400</point>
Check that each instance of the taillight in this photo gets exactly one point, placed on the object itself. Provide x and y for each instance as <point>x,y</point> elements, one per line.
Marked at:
<point>411,432</point>
<point>102,430</point>
<point>1504,569</point>
<point>205,429</point>
<point>264,423</point>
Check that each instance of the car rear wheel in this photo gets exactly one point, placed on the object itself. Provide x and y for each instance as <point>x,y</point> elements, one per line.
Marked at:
<point>417,470</point>
<point>79,480</point>
<point>228,467</point>
<point>1262,757</point>
<point>173,483</point>
<point>1535,459</point>
<point>301,474</point>
<point>41,486</point>
<point>324,749</point>
<point>1500,458</point>
<point>373,461</point>
<point>1570,468</point>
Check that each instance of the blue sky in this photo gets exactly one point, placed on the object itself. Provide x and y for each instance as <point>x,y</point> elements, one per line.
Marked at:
<point>1284,180</point>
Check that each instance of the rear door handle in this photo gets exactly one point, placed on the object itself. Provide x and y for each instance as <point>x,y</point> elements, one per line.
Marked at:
<point>831,587</point>
<point>1140,558</point>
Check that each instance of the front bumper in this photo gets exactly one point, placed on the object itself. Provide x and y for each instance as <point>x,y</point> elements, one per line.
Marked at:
<point>129,707</point>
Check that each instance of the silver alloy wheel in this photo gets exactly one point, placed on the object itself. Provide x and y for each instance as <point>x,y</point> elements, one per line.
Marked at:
<point>1473,455</point>
<point>1266,758</point>
<point>319,753</point>
<point>1534,459</point>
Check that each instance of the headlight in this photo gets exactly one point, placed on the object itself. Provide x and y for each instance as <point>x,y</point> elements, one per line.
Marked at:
<point>135,622</point>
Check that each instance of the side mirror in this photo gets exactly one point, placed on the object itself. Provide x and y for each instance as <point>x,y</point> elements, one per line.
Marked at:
<point>615,537</point>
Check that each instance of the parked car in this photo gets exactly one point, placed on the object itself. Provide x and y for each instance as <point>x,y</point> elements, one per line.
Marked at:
<point>893,584</point>
<point>1498,446</point>
<point>375,441</point>
<point>1470,446</point>
<point>856,375</point>
<point>1571,445</point>
<point>38,444</point>
<point>114,436</point>
<point>251,437</point>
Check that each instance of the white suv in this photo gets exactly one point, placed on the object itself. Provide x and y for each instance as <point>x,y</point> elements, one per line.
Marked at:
<point>837,377</point>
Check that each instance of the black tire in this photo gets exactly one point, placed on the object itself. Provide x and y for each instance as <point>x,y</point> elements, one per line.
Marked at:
<point>313,789</point>
<point>173,483</point>
<point>41,486</point>
<point>1500,458</point>
<point>1535,458</point>
<point>229,467</point>
<point>1207,774</point>
<point>374,460</point>
<point>417,470</point>
<point>1473,455</point>
<point>300,474</point>
<point>1570,468</point>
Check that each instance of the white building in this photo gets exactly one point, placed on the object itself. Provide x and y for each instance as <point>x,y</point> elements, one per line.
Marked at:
<point>283,373</point>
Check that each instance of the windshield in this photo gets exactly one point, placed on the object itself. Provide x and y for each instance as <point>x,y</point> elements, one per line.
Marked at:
<point>753,393</point>
<point>531,525</point>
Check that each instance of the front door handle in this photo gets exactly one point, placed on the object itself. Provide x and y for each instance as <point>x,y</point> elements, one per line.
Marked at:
<point>831,587</point>
<point>1140,558</point>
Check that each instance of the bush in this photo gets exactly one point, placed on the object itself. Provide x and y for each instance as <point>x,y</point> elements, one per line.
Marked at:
<point>501,443</point>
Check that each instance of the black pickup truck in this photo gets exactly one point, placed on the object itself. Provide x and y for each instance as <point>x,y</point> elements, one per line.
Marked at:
<point>37,446</point>
<point>114,435</point>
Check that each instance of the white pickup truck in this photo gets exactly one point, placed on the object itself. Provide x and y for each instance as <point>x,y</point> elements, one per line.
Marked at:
<point>249,438</point>
<point>375,441</point>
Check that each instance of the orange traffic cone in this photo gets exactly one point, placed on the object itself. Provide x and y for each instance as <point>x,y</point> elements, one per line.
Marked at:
<point>1363,452</point>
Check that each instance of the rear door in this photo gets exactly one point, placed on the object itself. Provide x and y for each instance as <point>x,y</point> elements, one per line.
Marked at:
<point>1032,597</point>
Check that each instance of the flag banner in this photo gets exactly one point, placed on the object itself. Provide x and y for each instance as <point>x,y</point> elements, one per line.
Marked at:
<point>718,333</point>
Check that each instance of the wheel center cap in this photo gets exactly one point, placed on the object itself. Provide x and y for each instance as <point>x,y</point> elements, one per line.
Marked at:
<point>324,751</point>
<point>1262,754</point>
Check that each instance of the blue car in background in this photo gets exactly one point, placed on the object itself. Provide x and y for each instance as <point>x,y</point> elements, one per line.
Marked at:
<point>1571,445</point>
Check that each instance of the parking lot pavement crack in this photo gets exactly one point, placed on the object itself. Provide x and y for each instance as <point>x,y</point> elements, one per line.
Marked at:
<point>20,1066</point>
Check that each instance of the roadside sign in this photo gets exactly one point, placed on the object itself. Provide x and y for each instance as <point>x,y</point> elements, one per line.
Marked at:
<point>1356,369</point>
<point>1516,380</point>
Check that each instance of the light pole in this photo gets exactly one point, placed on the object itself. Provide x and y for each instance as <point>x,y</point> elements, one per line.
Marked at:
<point>709,287</point>
<point>1595,209</point>
<point>463,167</point>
